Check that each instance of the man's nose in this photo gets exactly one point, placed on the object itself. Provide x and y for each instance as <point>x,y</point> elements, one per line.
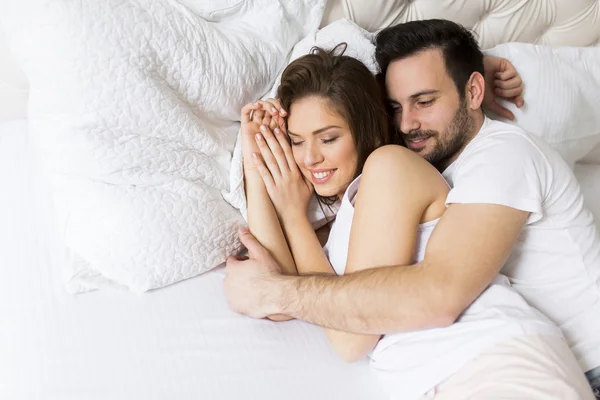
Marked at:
<point>409,122</point>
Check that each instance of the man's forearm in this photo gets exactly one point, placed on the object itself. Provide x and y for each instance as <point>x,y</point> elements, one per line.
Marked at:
<point>373,301</point>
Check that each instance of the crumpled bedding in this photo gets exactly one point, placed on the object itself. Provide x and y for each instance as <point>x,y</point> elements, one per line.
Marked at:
<point>134,107</point>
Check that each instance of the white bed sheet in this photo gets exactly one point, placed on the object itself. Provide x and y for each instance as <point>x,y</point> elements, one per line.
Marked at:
<point>181,342</point>
<point>167,344</point>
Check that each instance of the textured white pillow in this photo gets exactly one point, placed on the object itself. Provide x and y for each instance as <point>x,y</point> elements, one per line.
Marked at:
<point>134,105</point>
<point>562,93</point>
<point>593,156</point>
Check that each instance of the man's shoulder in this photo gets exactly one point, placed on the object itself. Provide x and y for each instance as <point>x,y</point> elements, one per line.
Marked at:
<point>498,131</point>
<point>505,140</point>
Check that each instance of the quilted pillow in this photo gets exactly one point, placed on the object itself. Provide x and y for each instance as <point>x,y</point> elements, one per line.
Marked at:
<point>134,106</point>
<point>562,93</point>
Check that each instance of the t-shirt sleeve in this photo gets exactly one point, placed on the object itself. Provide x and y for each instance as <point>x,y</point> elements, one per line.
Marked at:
<point>507,170</point>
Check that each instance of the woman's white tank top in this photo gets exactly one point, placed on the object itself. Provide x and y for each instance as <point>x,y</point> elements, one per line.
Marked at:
<point>409,364</point>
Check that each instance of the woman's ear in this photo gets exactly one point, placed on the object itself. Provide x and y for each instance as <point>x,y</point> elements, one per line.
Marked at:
<point>475,91</point>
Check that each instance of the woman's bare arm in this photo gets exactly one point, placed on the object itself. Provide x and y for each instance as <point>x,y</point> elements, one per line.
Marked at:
<point>388,210</point>
<point>262,217</point>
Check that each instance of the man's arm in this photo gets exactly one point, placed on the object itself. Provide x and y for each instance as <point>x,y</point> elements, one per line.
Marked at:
<point>467,249</point>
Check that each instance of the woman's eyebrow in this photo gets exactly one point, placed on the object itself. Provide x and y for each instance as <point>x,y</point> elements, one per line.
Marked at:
<point>321,130</point>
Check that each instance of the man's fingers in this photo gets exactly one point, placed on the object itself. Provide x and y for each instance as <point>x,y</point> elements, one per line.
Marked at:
<point>507,70</point>
<point>512,83</point>
<point>250,242</point>
<point>501,111</point>
<point>508,93</point>
<point>234,261</point>
<point>519,101</point>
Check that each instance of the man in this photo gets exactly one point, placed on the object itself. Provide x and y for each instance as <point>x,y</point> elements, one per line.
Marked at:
<point>515,207</point>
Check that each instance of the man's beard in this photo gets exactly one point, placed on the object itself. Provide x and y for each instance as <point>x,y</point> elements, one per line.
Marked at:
<point>457,136</point>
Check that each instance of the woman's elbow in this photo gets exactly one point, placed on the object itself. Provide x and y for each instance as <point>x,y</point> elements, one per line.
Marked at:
<point>349,354</point>
<point>352,349</point>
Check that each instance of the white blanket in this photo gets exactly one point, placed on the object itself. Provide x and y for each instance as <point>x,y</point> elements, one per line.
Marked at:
<point>134,105</point>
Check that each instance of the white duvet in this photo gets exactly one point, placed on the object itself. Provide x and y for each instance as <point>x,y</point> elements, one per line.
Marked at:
<point>134,106</point>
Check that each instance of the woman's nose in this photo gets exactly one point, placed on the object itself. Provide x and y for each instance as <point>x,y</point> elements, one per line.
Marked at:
<point>312,156</point>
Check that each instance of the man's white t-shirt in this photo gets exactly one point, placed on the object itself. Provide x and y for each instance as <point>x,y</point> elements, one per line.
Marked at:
<point>410,364</point>
<point>555,264</point>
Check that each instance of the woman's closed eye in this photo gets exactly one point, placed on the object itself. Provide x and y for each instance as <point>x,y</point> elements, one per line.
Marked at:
<point>296,143</point>
<point>330,140</point>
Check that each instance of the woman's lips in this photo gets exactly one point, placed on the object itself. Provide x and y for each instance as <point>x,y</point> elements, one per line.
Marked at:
<point>319,177</point>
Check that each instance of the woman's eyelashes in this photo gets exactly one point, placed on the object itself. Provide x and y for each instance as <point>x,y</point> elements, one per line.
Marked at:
<point>324,141</point>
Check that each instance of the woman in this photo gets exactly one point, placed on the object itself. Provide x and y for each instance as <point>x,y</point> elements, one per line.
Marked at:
<point>336,140</point>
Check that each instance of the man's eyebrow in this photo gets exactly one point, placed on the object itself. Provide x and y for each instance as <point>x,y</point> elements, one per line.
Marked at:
<point>317,131</point>
<point>423,93</point>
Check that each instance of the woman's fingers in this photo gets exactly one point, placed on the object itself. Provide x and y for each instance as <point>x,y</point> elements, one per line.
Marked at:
<point>247,112</point>
<point>287,149</point>
<point>264,172</point>
<point>268,157</point>
<point>270,112</point>
<point>281,115</point>
<point>258,114</point>
<point>275,149</point>
<point>274,115</point>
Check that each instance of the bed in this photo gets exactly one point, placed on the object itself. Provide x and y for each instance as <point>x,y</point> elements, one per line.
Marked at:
<point>182,341</point>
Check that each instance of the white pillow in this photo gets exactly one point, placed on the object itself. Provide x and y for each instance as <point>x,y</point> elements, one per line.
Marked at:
<point>593,156</point>
<point>13,85</point>
<point>134,104</point>
<point>562,93</point>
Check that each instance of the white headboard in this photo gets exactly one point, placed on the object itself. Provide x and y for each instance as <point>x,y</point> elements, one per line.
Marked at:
<point>554,22</point>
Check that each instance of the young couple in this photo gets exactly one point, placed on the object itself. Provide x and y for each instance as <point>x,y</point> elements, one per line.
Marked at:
<point>431,211</point>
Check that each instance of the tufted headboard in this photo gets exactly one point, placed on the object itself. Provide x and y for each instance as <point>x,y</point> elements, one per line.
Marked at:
<point>553,22</point>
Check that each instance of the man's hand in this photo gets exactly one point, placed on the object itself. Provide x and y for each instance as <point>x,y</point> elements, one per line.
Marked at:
<point>253,285</point>
<point>503,81</point>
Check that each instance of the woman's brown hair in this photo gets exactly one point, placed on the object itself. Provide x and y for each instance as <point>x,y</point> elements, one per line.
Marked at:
<point>352,91</point>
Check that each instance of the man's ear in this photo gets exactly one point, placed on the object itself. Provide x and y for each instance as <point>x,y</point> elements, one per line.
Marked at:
<point>475,91</point>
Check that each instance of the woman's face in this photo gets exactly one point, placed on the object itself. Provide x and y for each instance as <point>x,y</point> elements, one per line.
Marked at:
<point>322,144</point>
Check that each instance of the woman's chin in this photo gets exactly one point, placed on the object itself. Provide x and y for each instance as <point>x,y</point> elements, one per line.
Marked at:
<point>328,191</point>
<point>324,192</point>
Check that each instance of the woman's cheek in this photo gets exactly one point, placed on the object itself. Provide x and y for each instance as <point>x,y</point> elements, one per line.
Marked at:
<point>298,157</point>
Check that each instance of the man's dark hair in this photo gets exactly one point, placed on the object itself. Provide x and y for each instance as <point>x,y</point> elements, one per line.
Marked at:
<point>459,47</point>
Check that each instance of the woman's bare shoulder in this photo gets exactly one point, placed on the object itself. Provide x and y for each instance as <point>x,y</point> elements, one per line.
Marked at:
<point>397,163</point>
